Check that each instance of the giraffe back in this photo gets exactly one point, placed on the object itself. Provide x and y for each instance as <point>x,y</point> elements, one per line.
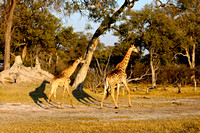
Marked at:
<point>116,76</point>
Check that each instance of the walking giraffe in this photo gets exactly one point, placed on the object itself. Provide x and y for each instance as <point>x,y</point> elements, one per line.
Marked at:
<point>63,80</point>
<point>117,76</point>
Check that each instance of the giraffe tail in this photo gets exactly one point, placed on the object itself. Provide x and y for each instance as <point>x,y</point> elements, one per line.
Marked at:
<point>108,93</point>
<point>107,89</point>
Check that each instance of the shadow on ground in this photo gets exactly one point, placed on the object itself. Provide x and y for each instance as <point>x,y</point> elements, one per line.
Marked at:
<point>84,97</point>
<point>39,93</point>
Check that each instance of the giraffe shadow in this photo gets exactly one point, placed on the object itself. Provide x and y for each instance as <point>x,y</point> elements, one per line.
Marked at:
<point>38,93</point>
<point>84,97</point>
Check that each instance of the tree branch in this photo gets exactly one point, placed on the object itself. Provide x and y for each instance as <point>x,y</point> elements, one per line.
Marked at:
<point>161,4</point>
<point>139,78</point>
<point>99,67</point>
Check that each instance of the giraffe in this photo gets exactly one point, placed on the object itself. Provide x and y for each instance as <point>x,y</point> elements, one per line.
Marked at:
<point>63,80</point>
<point>117,76</point>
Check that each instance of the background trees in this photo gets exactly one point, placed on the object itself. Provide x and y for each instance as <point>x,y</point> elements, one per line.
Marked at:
<point>162,31</point>
<point>188,25</point>
<point>168,34</point>
<point>103,11</point>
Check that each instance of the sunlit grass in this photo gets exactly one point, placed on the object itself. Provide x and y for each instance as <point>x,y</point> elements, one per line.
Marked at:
<point>27,93</point>
<point>21,93</point>
<point>167,92</point>
<point>184,125</point>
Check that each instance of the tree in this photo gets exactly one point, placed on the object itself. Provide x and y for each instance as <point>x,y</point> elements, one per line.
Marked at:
<point>188,21</point>
<point>150,29</point>
<point>8,11</point>
<point>71,45</point>
<point>35,31</point>
<point>99,10</point>
<point>99,67</point>
<point>9,7</point>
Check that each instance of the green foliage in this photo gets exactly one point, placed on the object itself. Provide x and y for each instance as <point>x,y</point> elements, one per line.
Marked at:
<point>166,31</point>
<point>96,10</point>
<point>36,32</point>
<point>172,74</point>
<point>35,26</point>
<point>74,44</point>
<point>119,52</point>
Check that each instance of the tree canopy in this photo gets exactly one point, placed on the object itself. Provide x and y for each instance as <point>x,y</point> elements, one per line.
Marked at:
<point>169,32</point>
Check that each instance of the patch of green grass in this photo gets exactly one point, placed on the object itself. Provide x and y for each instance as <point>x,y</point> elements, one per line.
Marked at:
<point>174,125</point>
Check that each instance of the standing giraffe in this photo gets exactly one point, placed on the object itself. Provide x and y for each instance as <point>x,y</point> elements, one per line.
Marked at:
<point>117,76</point>
<point>63,80</point>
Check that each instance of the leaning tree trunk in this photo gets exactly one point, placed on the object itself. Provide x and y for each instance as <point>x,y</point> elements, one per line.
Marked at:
<point>105,25</point>
<point>8,34</point>
<point>79,81</point>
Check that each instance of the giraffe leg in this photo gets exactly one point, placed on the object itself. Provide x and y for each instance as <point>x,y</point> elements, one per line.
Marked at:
<point>61,105</point>
<point>118,85</point>
<point>56,99</point>
<point>104,94</point>
<point>50,94</point>
<point>129,97</point>
<point>53,88</point>
<point>113,95</point>
<point>69,94</point>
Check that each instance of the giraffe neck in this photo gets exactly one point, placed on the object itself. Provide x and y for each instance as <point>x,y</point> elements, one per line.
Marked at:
<point>124,63</point>
<point>69,71</point>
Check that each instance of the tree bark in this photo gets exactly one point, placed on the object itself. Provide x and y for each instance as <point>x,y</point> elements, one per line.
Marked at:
<point>8,34</point>
<point>24,52</point>
<point>79,80</point>
<point>105,25</point>
<point>153,74</point>
<point>193,67</point>
<point>192,62</point>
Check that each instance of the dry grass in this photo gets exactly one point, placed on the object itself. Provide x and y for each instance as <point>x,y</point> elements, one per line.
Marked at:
<point>21,93</point>
<point>182,125</point>
<point>168,92</point>
<point>30,93</point>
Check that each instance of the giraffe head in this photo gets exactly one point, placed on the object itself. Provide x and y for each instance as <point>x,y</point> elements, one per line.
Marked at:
<point>134,48</point>
<point>81,59</point>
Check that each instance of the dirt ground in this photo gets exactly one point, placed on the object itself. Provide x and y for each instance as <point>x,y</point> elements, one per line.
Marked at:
<point>142,108</point>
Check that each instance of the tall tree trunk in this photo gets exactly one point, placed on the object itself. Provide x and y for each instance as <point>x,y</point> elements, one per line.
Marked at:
<point>192,62</point>
<point>153,74</point>
<point>105,25</point>
<point>8,34</point>
<point>50,60</point>
<point>193,67</point>
<point>24,52</point>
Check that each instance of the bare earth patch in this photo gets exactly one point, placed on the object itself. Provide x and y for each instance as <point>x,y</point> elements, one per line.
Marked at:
<point>142,109</point>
